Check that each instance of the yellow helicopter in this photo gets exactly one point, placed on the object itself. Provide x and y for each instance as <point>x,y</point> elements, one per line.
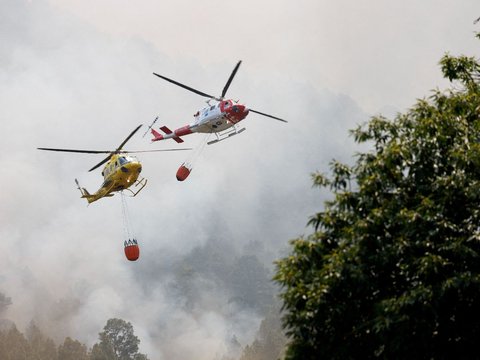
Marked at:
<point>120,172</point>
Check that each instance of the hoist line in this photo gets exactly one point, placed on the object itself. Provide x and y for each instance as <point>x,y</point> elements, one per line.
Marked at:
<point>197,151</point>
<point>127,228</point>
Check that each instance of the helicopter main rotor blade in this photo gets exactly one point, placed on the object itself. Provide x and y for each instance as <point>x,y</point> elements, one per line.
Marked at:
<point>117,150</point>
<point>232,75</point>
<point>111,151</point>
<point>78,151</point>
<point>149,151</point>
<point>101,162</point>
<point>126,152</point>
<point>198,92</point>
<point>128,138</point>
<point>267,115</point>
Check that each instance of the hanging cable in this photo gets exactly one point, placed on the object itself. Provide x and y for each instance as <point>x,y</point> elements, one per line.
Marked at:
<point>126,217</point>
<point>197,151</point>
<point>131,248</point>
<point>187,166</point>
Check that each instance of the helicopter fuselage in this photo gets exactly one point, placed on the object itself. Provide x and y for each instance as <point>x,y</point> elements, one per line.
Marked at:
<point>218,117</point>
<point>211,119</point>
<point>122,171</point>
<point>119,173</point>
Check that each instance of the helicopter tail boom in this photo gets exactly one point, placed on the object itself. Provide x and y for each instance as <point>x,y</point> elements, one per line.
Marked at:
<point>169,134</point>
<point>156,135</point>
<point>86,195</point>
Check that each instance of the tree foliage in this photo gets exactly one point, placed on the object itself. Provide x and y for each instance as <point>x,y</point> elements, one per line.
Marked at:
<point>117,342</point>
<point>14,345</point>
<point>269,343</point>
<point>72,350</point>
<point>40,346</point>
<point>393,269</point>
<point>243,277</point>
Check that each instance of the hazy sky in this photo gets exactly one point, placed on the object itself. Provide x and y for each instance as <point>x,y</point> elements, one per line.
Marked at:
<point>381,53</point>
<point>79,74</point>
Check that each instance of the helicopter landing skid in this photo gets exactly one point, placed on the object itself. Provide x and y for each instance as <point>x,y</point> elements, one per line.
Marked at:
<point>142,183</point>
<point>225,135</point>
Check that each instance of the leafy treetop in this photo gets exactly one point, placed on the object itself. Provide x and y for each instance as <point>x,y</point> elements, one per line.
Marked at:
<point>393,268</point>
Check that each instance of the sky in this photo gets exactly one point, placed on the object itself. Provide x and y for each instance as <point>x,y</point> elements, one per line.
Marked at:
<point>79,74</point>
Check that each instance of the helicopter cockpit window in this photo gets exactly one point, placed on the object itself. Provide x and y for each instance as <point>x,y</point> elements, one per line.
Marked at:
<point>122,160</point>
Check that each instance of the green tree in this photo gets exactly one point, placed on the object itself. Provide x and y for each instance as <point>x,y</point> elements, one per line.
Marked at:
<point>103,351</point>
<point>393,268</point>
<point>140,357</point>
<point>250,283</point>
<point>72,350</point>
<point>41,347</point>
<point>117,342</point>
<point>13,345</point>
<point>270,339</point>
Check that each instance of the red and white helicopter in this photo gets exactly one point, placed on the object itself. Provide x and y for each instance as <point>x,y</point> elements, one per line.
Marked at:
<point>220,118</point>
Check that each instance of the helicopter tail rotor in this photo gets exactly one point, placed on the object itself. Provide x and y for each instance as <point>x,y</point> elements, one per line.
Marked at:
<point>150,127</point>
<point>85,194</point>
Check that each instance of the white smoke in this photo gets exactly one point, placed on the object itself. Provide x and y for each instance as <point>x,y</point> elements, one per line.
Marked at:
<point>66,83</point>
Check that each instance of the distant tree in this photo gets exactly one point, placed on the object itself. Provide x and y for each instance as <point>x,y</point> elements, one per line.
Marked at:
<point>250,282</point>
<point>72,350</point>
<point>140,357</point>
<point>3,352</point>
<point>41,347</point>
<point>244,278</point>
<point>117,341</point>
<point>393,268</point>
<point>206,264</point>
<point>4,302</point>
<point>253,351</point>
<point>270,341</point>
<point>103,351</point>
<point>14,345</point>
